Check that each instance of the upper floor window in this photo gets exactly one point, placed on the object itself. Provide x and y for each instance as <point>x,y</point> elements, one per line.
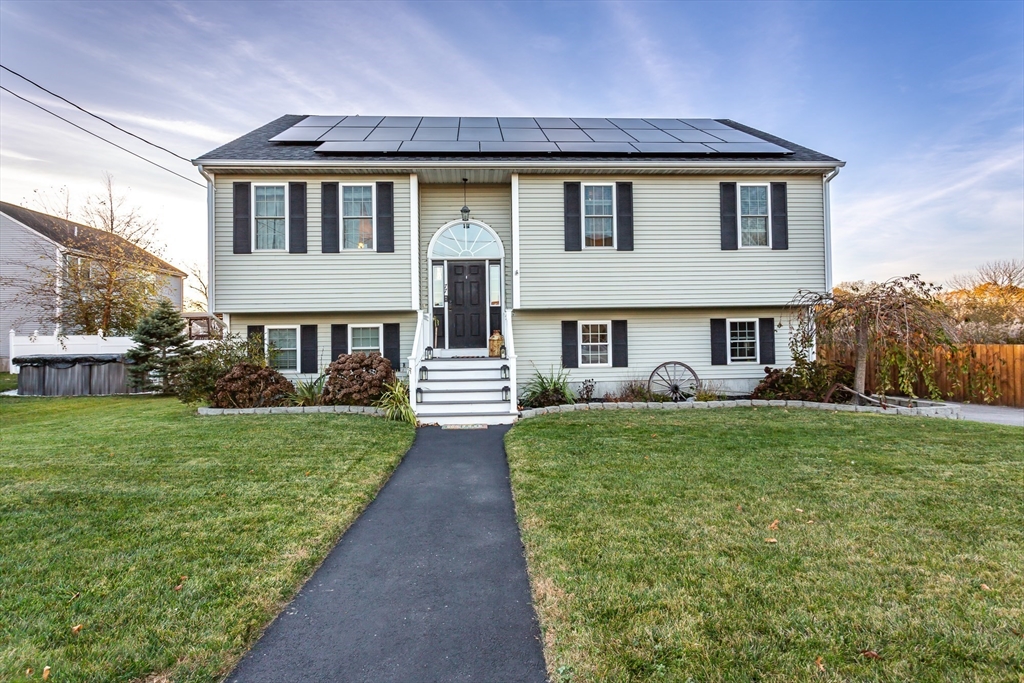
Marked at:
<point>357,216</point>
<point>598,216</point>
<point>269,211</point>
<point>754,228</point>
<point>595,343</point>
<point>742,341</point>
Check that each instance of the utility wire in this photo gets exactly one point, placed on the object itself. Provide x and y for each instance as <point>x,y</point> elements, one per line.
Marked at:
<point>84,130</point>
<point>95,116</point>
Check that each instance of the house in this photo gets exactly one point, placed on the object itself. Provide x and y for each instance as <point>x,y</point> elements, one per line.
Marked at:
<point>31,241</point>
<point>602,246</point>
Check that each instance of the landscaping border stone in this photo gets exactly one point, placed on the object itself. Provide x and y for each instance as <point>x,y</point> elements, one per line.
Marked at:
<point>292,410</point>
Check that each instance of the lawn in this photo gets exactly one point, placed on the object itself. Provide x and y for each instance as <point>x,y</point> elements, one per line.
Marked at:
<point>896,551</point>
<point>170,538</point>
<point>8,381</point>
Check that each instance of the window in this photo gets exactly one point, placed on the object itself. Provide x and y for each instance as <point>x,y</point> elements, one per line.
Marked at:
<point>742,341</point>
<point>595,346</point>
<point>269,211</point>
<point>438,290</point>
<point>357,216</point>
<point>754,216</point>
<point>495,283</point>
<point>364,338</point>
<point>285,342</point>
<point>598,216</point>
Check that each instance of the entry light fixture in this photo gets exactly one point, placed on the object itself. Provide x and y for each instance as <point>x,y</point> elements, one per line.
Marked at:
<point>465,205</point>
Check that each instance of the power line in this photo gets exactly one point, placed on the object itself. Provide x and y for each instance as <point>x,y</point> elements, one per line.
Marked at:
<point>95,116</point>
<point>84,130</point>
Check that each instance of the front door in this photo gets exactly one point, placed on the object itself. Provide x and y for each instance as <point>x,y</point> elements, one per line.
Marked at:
<point>467,307</point>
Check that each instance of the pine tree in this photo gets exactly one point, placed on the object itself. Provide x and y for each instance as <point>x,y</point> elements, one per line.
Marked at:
<point>161,345</point>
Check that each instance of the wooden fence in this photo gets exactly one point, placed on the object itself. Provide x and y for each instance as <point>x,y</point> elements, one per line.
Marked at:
<point>1004,361</point>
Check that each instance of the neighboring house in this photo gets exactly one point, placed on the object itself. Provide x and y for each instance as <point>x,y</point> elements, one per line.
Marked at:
<point>602,246</point>
<point>30,240</point>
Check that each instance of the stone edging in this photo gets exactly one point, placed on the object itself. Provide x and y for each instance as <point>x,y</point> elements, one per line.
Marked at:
<point>944,411</point>
<point>293,410</point>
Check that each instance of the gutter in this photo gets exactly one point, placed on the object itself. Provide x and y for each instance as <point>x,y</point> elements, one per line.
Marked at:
<point>210,197</point>
<point>826,179</point>
<point>394,164</point>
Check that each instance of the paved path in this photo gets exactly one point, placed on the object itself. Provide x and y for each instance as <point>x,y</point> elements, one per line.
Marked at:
<point>1000,415</point>
<point>429,584</point>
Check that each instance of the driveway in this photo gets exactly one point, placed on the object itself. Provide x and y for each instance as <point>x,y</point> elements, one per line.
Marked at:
<point>429,584</point>
<point>1000,415</point>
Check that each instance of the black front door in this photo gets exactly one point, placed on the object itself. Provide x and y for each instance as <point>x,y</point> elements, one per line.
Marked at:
<point>467,307</point>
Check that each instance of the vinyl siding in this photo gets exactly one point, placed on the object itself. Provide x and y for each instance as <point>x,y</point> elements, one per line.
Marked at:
<point>323,321</point>
<point>22,253</point>
<point>655,337</point>
<point>353,280</point>
<point>440,204</point>
<point>677,259</point>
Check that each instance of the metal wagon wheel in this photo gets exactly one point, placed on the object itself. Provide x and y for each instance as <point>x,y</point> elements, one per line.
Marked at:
<point>676,380</point>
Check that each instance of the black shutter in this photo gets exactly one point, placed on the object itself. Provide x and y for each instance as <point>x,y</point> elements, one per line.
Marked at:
<point>307,344</point>
<point>393,345</point>
<point>330,238</point>
<point>780,217</point>
<point>297,218</point>
<point>570,331</point>
<point>624,216</point>
<point>719,342</point>
<point>730,229</point>
<point>573,224</point>
<point>339,341</point>
<point>620,344</point>
<point>766,335</point>
<point>242,239</point>
<point>386,218</point>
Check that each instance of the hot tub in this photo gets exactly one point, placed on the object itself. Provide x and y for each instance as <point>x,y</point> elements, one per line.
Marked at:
<point>71,375</point>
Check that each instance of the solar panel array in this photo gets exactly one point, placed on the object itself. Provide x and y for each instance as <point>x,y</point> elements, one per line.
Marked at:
<point>521,135</point>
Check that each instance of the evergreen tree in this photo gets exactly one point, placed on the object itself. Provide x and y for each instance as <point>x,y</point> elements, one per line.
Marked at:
<point>161,346</point>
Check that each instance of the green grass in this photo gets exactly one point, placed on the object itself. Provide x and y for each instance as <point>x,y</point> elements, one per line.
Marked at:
<point>646,542</point>
<point>106,503</point>
<point>8,381</point>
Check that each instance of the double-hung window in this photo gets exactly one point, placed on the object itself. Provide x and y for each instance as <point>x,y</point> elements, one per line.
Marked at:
<point>742,341</point>
<point>270,232</point>
<point>599,215</point>
<point>754,216</point>
<point>283,348</point>
<point>357,216</point>
<point>364,338</point>
<point>595,343</point>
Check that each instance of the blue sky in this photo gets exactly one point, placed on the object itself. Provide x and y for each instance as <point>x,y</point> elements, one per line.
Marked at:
<point>925,101</point>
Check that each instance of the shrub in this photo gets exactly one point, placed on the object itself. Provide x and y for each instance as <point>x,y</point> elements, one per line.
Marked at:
<point>396,404</point>
<point>805,381</point>
<point>198,375</point>
<point>161,348</point>
<point>248,385</point>
<point>708,391</point>
<point>309,392</point>
<point>548,390</point>
<point>635,391</point>
<point>357,379</point>
<point>586,390</point>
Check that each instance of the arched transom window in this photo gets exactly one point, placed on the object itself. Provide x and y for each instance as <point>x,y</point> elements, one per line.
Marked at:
<point>466,240</point>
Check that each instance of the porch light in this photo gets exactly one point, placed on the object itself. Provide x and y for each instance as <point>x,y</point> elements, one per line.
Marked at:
<point>506,393</point>
<point>465,205</point>
<point>423,373</point>
<point>504,372</point>
<point>503,352</point>
<point>428,353</point>
<point>419,395</point>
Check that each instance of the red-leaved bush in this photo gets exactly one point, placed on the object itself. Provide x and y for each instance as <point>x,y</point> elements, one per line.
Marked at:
<point>252,386</point>
<point>357,379</point>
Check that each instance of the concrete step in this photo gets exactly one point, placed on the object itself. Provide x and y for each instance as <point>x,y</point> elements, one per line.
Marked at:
<point>487,393</point>
<point>464,363</point>
<point>425,410</point>
<point>436,373</point>
<point>469,418</point>
<point>480,383</point>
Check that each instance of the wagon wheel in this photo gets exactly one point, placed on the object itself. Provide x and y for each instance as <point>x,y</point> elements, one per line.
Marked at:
<point>676,380</point>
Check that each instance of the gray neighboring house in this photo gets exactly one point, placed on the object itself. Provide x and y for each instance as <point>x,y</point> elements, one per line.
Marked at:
<point>28,238</point>
<point>603,247</point>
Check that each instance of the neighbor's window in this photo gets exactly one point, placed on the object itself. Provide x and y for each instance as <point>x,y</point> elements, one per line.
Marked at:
<point>743,341</point>
<point>594,343</point>
<point>269,216</point>
<point>495,284</point>
<point>365,339</point>
<point>284,340</point>
<point>357,216</point>
<point>598,221</point>
<point>754,215</point>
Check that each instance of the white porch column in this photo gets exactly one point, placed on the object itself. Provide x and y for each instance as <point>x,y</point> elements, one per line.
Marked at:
<point>414,238</point>
<point>516,295</point>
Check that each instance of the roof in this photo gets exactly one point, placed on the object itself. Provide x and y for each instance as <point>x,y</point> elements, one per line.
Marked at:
<point>81,238</point>
<point>284,141</point>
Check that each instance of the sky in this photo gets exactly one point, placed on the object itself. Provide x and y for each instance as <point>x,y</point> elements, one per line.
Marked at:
<point>924,101</point>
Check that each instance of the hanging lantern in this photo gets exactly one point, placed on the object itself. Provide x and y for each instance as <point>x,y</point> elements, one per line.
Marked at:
<point>504,372</point>
<point>465,205</point>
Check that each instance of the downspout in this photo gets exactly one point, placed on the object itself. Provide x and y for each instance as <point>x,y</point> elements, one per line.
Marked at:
<point>210,197</point>
<point>826,179</point>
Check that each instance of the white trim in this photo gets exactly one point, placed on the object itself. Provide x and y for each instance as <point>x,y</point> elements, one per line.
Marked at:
<point>341,215</point>
<point>583,215</point>
<point>380,335</point>
<point>579,343</point>
<point>211,201</point>
<point>252,217</point>
<point>739,215</point>
<point>391,164</point>
<point>728,341</point>
<point>414,237</point>
<point>298,344</point>
<point>827,210</point>
<point>517,293</point>
<point>433,241</point>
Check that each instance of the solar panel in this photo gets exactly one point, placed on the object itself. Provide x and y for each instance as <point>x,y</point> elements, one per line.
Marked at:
<point>732,135</point>
<point>594,123</point>
<point>669,124</point>
<point>382,133</point>
<point>446,147</point>
<point>597,147</point>
<point>440,122</point>
<point>672,148</point>
<point>566,135</point>
<point>652,136</point>
<point>320,121</point>
<point>512,147</point>
<point>340,133</point>
<point>300,134</point>
<point>693,136</point>
<point>436,134</point>
<point>523,135</point>
<point>378,146</point>
<point>705,124</point>
<point>401,121</point>
<point>556,123</point>
<point>479,122</point>
<point>608,135</point>
<point>747,148</point>
<point>631,124</point>
<point>361,121</point>
<point>517,122</point>
<point>479,133</point>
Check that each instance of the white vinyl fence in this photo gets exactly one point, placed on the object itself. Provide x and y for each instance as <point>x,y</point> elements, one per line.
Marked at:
<point>69,345</point>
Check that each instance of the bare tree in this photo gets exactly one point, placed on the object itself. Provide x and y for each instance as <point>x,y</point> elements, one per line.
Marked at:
<point>56,202</point>
<point>989,303</point>
<point>197,283</point>
<point>1009,273</point>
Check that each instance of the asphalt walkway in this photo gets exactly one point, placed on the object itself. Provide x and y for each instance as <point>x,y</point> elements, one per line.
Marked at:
<point>1000,415</point>
<point>429,584</point>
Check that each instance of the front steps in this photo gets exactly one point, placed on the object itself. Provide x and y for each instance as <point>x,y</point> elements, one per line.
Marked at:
<point>465,391</point>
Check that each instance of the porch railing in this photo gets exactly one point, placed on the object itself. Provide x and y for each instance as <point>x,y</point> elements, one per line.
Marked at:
<point>510,351</point>
<point>420,341</point>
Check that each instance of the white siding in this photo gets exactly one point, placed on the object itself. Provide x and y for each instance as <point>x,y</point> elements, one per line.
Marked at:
<point>654,337</point>
<point>353,280</point>
<point>677,259</point>
<point>22,253</point>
